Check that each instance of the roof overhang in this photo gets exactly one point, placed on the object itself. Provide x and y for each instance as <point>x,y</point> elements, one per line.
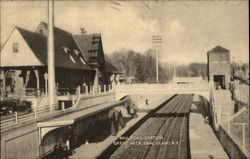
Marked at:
<point>55,123</point>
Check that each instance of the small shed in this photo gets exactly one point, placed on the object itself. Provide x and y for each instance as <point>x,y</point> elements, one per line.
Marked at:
<point>219,67</point>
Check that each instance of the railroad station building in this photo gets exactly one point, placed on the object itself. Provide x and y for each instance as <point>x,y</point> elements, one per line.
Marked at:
<point>219,66</point>
<point>79,59</point>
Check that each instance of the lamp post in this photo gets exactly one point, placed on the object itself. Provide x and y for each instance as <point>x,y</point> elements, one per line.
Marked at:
<point>51,55</point>
<point>157,40</point>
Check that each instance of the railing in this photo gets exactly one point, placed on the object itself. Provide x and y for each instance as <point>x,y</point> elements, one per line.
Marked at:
<point>19,93</point>
<point>235,126</point>
<point>168,87</point>
<point>18,117</point>
<point>241,94</point>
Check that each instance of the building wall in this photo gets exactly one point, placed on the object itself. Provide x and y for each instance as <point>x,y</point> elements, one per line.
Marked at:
<point>219,64</point>
<point>24,56</point>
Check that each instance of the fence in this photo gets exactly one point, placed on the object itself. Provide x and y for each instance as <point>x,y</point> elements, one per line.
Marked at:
<point>19,93</point>
<point>241,94</point>
<point>237,128</point>
<point>18,117</point>
<point>41,111</point>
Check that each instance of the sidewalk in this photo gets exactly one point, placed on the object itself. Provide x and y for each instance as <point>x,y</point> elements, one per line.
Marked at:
<point>203,142</point>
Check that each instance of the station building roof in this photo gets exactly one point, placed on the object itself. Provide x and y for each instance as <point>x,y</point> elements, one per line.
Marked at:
<point>88,43</point>
<point>219,49</point>
<point>71,51</point>
<point>65,47</point>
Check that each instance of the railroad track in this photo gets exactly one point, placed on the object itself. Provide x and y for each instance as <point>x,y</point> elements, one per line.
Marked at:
<point>163,135</point>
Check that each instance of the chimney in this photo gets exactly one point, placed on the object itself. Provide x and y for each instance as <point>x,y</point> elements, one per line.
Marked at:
<point>83,31</point>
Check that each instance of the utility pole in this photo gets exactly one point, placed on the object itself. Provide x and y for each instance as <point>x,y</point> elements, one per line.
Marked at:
<point>157,45</point>
<point>51,56</point>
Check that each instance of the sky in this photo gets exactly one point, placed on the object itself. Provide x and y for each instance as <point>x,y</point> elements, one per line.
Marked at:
<point>189,29</point>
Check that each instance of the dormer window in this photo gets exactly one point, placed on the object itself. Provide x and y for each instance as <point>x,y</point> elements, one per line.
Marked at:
<point>66,50</point>
<point>83,61</point>
<point>72,59</point>
<point>77,53</point>
<point>15,47</point>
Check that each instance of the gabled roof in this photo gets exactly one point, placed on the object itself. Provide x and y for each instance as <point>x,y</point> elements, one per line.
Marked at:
<point>93,42</point>
<point>38,44</point>
<point>219,49</point>
<point>109,68</point>
<point>86,43</point>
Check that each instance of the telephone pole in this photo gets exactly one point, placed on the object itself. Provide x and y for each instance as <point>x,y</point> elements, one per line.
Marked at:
<point>51,56</point>
<point>157,45</point>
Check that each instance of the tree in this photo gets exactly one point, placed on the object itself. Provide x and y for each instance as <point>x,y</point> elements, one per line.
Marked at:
<point>141,66</point>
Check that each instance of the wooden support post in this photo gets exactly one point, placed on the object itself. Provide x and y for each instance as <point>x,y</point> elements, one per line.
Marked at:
<point>35,112</point>
<point>4,81</point>
<point>99,89</point>
<point>105,88</point>
<point>243,135</point>
<point>46,83</point>
<point>78,91</point>
<point>63,106</point>
<point>37,82</point>
<point>86,90</point>
<point>228,123</point>
<point>16,117</point>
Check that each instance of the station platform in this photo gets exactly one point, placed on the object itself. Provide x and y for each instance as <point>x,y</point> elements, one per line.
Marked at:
<point>93,150</point>
<point>74,115</point>
<point>203,142</point>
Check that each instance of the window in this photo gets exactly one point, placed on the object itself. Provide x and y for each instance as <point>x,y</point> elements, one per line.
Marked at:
<point>77,52</point>
<point>15,47</point>
<point>72,59</point>
<point>66,50</point>
<point>83,61</point>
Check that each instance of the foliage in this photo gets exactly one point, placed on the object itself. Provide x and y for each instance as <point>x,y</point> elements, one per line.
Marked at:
<point>140,66</point>
<point>15,105</point>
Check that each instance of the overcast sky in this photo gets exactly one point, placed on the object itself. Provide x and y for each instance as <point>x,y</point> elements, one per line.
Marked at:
<point>188,28</point>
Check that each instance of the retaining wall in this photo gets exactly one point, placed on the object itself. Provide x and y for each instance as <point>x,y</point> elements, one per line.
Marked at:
<point>22,139</point>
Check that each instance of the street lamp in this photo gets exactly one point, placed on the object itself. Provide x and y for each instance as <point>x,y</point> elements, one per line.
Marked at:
<point>157,44</point>
<point>51,55</point>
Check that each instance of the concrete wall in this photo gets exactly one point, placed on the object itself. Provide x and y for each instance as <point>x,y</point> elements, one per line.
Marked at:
<point>58,135</point>
<point>229,145</point>
<point>88,101</point>
<point>21,142</point>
